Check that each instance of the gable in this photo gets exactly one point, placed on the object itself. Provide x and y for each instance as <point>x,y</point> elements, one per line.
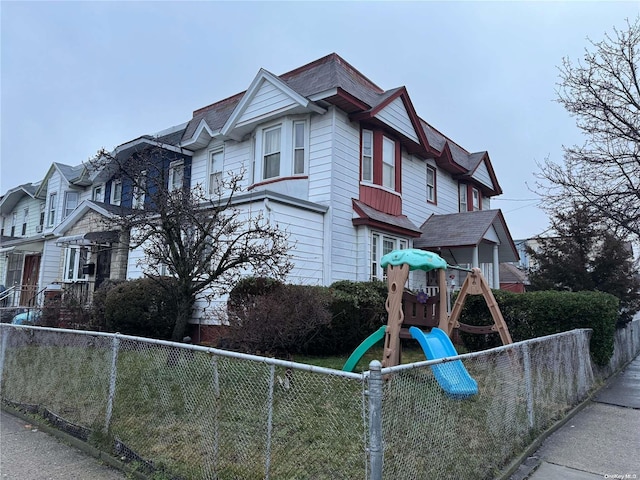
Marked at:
<point>481,174</point>
<point>266,100</point>
<point>396,116</point>
<point>266,97</point>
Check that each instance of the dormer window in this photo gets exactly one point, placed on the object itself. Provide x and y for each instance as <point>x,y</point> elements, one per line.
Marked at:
<point>367,156</point>
<point>388,163</point>
<point>282,150</point>
<point>53,201</point>
<point>271,146</point>
<point>470,198</point>
<point>380,160</point>
<point>70,202</point>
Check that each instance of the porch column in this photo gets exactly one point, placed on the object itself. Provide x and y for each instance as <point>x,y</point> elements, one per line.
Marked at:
<point>474,260</point>
<point>496,267</point>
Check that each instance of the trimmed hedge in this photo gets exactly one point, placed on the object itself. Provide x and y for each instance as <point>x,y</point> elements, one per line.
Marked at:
<point>535,314</point>
<point>137,307</point>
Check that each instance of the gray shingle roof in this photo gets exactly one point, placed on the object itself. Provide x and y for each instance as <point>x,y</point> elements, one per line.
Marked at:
<point>396,220</point>
<point>456,229</point>
<point>324,74</point>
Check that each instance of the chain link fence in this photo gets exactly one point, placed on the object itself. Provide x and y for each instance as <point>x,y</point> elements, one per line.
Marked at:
<point>187,412</point>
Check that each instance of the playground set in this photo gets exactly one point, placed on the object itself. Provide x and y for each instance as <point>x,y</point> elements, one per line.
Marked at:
<point>430,312</point>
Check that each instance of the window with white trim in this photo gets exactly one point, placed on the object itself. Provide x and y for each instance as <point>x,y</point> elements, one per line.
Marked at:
<point>139,188</point>
<point>475,197</point>
<point>388,163</point>
<point>75,258</point>
<point>176,175</point>
<point>381,244</point>
<point>14,222</point>
<point>53,201</point>
<point>70,203</point>
<point>463,197</point>
<point>116,192</point>
<point>299,147</point>
<point>216,166</point>
<point>97,194</point>
<point>25,220</point>
<point>431,184</point>
<point>271,146</point>
<point>367,156</point>
<point>282,149</point>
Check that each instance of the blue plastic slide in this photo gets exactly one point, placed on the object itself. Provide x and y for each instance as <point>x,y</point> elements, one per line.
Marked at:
<point>452,376</point>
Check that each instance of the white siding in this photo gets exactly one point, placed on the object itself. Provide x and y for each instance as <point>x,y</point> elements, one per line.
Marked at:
<point>32,221</point>
<point>345,187</point>
<point>306,238</point>
<point>414,190</point>
<point>54,185</point>
<point>482,175</point>
<point>50,268</point>
<point>266,100</point>
<point>395,115</point>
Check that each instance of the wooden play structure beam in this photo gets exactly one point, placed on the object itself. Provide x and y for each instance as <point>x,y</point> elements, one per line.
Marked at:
<point>398,264</point>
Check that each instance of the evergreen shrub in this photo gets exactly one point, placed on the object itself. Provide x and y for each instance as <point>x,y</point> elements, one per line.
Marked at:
<point>535,314</point>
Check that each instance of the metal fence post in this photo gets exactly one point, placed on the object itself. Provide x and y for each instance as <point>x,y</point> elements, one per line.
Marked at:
<point>3,349</point>
<point>112,382</point>
<point>267,466</point>
<point>526,358</point>
<point>375,420</point>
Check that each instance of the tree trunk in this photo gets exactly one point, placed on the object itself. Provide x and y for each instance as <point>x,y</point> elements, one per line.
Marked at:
<point>185,308</point>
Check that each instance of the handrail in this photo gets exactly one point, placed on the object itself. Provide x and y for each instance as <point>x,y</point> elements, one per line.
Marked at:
<point>33,300</point>
<point>6,293</point>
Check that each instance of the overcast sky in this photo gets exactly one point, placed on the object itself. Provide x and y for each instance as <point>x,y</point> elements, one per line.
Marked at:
<point>78,76</point>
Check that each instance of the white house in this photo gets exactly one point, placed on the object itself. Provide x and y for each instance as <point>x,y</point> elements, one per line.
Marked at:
<point>348,168</point>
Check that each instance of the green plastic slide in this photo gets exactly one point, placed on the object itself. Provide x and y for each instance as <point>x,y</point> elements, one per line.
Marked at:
<point>357,354</point>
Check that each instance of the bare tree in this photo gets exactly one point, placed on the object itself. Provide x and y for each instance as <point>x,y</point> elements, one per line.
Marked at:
<point>603,93</point>
<point>201,239</point>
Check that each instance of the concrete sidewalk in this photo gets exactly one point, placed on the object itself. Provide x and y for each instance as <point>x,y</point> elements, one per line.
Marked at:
<point>601,441</point>
<point>26,453</point>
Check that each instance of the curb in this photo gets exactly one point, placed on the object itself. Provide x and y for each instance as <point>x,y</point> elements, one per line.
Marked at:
<point>75,442</point>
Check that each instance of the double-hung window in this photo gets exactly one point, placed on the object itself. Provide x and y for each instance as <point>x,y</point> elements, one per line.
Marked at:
<point>271,146</point>
<point>431,184</point>
<point>70,202</point>
<point>367,156</point>
<point>14,222</point>
<point>282,149</point>
<point>216,166</point>
<point>75,258</point>
<point>463,197</point>
<point>116,192</point>
<point>53,203</point>
<point>388,163</point>
<point>25,220</point>
<point>97,195</point>
<point>299,140</point>
<point>176,175</point>
<point>379,159</point>
<point>475,197</point>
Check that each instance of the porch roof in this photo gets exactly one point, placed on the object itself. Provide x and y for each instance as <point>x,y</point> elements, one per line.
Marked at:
<point>89,238</point>
<point>456,236</point>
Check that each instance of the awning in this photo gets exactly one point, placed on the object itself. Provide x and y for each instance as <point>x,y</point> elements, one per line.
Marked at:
<point>89,238</point>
